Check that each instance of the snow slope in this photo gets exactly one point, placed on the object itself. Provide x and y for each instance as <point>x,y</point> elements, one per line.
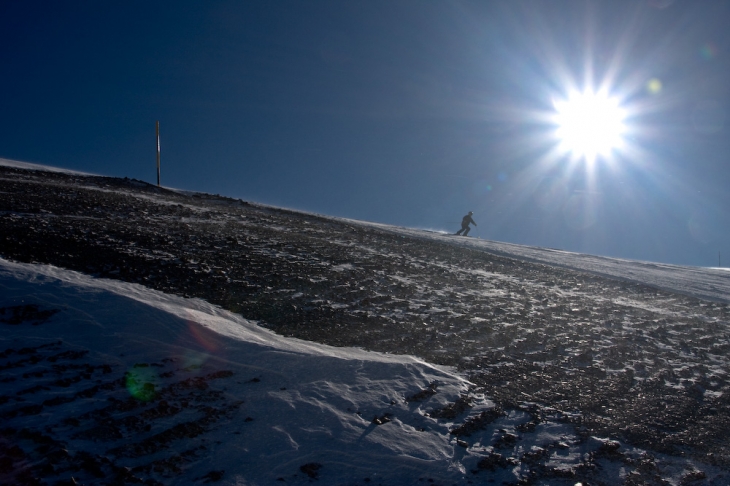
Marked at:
<point>292,402</point>
<point>272,409</point>
<point>710,283</point>
<point>106,381</point>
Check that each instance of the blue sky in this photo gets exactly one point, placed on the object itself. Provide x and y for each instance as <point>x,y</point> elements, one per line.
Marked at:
<point>402,112</point>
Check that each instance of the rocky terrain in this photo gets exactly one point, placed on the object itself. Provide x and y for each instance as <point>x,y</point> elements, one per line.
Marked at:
<point>640,368</point>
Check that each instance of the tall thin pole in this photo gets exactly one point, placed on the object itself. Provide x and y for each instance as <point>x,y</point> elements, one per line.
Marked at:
<point>157,132</point>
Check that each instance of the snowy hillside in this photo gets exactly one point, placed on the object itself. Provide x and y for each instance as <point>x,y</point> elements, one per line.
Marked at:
<point>196,346</point>
<point>104,380</point>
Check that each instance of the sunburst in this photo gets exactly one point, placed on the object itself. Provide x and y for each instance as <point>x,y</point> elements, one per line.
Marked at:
<point>589,124</point>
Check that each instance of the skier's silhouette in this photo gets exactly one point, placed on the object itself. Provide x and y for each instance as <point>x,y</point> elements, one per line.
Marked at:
<point>465,224</point>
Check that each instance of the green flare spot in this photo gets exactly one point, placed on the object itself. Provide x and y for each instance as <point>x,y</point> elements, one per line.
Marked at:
<point>140,383</point>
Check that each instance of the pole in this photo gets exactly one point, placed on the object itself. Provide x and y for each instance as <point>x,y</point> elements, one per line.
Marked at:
<point>157,132</point>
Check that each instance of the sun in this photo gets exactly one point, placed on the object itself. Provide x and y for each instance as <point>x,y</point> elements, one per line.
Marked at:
<point>589,124</point>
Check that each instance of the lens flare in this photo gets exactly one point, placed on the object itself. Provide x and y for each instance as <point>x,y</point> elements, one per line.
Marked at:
<point>708,51</point>
<point>654,86</point>
<point>207,339</point>
<point>140,382</point>
<point>589,124</point>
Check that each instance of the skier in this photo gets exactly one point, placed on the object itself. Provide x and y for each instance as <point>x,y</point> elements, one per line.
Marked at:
<point>465,224</point>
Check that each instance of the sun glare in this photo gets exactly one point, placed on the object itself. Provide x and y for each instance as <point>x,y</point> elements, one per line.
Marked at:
<point>589,124</point>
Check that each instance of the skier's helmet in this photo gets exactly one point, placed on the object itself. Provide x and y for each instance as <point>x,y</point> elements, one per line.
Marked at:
<point>471,212</point>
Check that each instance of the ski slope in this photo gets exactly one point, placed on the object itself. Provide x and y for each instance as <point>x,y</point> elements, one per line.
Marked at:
<point>709,283</point>
<point>105,379</point>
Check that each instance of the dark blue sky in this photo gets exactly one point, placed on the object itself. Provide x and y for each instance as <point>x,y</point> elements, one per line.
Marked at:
<point>401,112</point>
